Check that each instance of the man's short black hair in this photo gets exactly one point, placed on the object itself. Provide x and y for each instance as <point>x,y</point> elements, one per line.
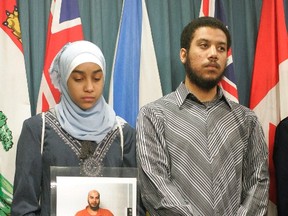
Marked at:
<point>189,30</point>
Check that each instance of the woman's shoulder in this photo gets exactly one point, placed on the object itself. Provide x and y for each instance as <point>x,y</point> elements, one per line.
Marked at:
<point>123,123</point>
<point>34,120</point>
<point>121,120</point>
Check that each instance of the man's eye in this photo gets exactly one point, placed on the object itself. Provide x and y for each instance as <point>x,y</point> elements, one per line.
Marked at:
<point>222,49</point>
<point>203,45</point>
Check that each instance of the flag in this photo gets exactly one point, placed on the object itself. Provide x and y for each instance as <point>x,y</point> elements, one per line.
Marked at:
<point>135,78</point>
<point>15,104</point>
<point>64,26</point>
<point>214,8</point>
<point>269,98</point>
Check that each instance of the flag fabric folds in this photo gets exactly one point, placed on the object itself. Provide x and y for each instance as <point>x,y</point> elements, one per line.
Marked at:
<point>64,26</point>
<point>15,103</point>
<point>214,8</point>
<point>269,98</point>
<point>135,78</point>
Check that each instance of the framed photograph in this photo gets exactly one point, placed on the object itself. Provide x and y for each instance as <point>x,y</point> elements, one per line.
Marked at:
<point>117,188</point>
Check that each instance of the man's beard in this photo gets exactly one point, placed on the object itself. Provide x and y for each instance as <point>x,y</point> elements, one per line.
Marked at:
<point>94,208</point>
<point>205,84</point>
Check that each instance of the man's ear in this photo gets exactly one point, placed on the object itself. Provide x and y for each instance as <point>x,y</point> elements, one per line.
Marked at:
<point>183,55</point>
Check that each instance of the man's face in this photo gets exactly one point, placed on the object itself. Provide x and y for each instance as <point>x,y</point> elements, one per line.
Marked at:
<point>94,200</point>
<point>206,59</point>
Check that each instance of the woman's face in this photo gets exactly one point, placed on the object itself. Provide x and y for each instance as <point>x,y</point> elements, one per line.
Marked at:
<point>85,85</point>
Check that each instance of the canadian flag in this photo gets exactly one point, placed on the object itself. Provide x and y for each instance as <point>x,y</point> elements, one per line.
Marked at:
<point>269,90</point>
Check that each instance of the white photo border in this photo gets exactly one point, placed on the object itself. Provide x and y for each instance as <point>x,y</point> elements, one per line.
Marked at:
<point>117,188</point>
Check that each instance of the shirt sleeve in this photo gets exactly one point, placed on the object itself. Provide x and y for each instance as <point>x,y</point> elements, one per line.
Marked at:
<point>280,158</point>
<point>160,196</point>
<point>255,185</point>
<point>28,172</point>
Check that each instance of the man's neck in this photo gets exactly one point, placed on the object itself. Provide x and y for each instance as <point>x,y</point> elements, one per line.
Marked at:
<point>202,95</point>
<point>92,212</point>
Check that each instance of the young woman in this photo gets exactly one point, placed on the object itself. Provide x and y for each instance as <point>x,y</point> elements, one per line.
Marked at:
<point>82,130</point>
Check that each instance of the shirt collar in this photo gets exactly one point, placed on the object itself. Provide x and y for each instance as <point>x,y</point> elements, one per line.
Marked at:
<point>182,93</point>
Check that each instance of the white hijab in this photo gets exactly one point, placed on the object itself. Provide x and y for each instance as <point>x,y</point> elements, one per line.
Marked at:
<point>92,124</point>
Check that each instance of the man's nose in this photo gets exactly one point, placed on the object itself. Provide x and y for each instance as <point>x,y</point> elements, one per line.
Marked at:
<point>213,53</point>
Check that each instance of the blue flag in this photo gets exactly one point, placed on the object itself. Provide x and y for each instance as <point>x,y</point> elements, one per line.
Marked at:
<point>132,84</point>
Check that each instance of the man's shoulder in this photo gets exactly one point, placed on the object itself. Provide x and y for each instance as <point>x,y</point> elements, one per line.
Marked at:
<point>284,122</point>
<point>240,107</point>
<point>82,212</point>
<point>104,212</point>
<point>169,98</point>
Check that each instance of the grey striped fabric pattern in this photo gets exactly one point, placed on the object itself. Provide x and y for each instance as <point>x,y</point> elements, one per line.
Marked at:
<point>201,159</point>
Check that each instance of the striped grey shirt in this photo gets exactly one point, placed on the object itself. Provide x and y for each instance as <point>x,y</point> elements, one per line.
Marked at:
<point>201,159</point>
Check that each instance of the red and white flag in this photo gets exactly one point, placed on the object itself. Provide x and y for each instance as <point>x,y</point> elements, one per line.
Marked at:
<point>214,8</point>
<point>64,26</point>
<point>15,103</point>
<point>269,91</point>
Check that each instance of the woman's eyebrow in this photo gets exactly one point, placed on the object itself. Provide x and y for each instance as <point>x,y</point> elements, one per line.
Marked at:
<point>80,71</point>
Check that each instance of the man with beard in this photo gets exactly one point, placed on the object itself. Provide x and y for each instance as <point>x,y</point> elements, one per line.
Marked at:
<point>198,152</point>
<point>93,206</point>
